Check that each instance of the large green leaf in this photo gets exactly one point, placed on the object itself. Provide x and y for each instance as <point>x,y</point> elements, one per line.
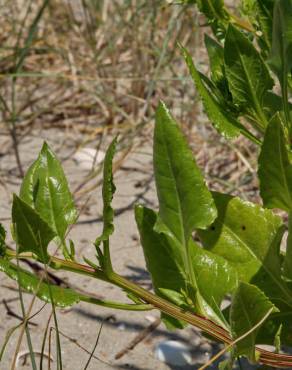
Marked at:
<point>228,126</point>
<point>45,188</point>
<point>108,190</point>
<point>166,263</point>
<point>185,202</point>
<point>62,297</point>
<point>249,238</point>
<point>31,232</point>
<point>247,74</point>
<point>275,170</point>
<point>281,54</point>
<point>249,306</point>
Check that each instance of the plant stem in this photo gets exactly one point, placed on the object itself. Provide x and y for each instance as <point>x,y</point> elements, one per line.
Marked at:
<point>119,306</point>
<point>157,302</point>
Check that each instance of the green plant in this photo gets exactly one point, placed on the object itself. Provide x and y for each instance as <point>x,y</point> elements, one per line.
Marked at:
<point>236,250</point>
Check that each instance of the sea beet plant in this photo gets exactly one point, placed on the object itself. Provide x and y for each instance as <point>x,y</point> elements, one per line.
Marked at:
<point>236,251</point>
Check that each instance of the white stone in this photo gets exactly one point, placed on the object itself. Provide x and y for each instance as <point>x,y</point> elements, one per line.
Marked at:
<point>173,353</point>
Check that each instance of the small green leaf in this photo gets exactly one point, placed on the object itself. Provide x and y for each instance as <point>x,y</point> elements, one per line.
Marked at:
<point>108,190</point>
<point>264,11</point>
<point>45,189</point>
<point>277,339</point>
<point>260,14</point>
<point>216,14</point>
<point>216,58</point>
<point>185,202</point>
<point>2,240</point>
<point>226,124</point>
<point>275,170</point>
<point>31,232</point>
<point>273,104</point>
<point>249,238</point>
<point>249,306</point>
<point>248,76</point>
<point>63,297</point>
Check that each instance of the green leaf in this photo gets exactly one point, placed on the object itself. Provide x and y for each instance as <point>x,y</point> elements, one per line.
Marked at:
<point>108,190</point>
<point>216,14</point>
<point>2,240</point>
<point>163,260</point>
<point>249,238</point>
<point>185,202</point>
<point>166,263</point>
<point>281,54</point>
<point>45,189</point>
<point>63,297</point>
<point>287,267</point>
<point>275,170</point>
<point>31,232</point>
<point>216,58</point>
<point>260,14</point>
<point>249,306</point>
<point>228,126</point>
<point>273,104</point>
<point>247,74</point>
<point>264,11</point>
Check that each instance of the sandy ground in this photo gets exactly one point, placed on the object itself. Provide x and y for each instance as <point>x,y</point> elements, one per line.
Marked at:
<point>81,323</point>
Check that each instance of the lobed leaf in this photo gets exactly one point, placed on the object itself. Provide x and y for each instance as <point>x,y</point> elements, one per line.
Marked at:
<point>45,189</point>
<point>31,232</point>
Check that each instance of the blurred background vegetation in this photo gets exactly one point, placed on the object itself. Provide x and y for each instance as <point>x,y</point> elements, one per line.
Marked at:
<point>92,67</point>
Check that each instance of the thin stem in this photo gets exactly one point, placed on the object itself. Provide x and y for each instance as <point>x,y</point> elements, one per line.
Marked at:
<point>117,305</point>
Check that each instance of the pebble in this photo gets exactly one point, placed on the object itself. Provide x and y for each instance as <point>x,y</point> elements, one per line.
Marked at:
<point>173,353</point>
